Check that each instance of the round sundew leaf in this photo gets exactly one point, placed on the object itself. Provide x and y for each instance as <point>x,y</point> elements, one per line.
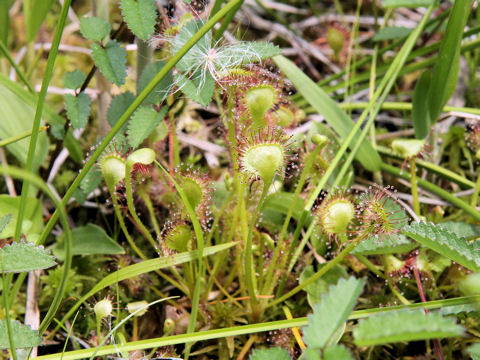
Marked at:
<point>113,170</point>
<point>179,237</point>
<point>259,99</point>
<point>193,190</point>
<point>408,148</point>
<point>338,216</point>
<point>263,160</point>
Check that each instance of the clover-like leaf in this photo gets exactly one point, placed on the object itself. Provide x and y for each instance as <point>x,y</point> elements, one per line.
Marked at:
<point>23,335</point>
<point>74,79</point>
<point>78,109</point>
<point>140,16</point>
<point>446,243</point>
<point>332,311</point>
<point>94,28</point>
<point>111,60</point>
<point>396,326</point>
<point>142,123</point>
<point>23,257</point>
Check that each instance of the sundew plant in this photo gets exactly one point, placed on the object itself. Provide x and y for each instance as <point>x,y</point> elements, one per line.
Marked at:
<point>239,179</point>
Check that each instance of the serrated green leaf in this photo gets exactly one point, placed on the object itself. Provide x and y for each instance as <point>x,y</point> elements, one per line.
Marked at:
<point>317,289</point>
<point>142,123</point>
<point>397,326</point>
<point>386,244</point>
<point>23,335</point>
<point>337,352</point>
<point>458,309</point>
<point>474,351</point>
<point>276,353</point>
<point>311,354</point>
<point>391,33</point>
<point>78,109</point>
<point>332,312</point>
<point>111,60</point>
<point>445,243</point>
<point>94,28</point>
<point>406,3</point>
<point>198,89</point>
<point>420,112</point>
<point>74,79</point>
<point>118,105</point>
<point>140,16</point>
<point>160,92</point>
<point>461,229</point>
<point>332,113</point>
<point>4,220</point>
<point>24,257</point>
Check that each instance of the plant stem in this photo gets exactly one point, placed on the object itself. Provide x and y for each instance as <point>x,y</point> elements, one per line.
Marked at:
<point>249,267</point>
<point>321,272</point>
<point>6,308</point>
<point>436,343</point>
<point>413,182</point>
<point>303,177</point>
<point>131,207</point>
<point>474,198</point>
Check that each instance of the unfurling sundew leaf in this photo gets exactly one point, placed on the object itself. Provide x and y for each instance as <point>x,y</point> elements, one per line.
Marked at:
<point>111,60</point>
<point>140,16</point>
<point>23,257</point>
<point>23,335</point>
<point>396,326</point>
<point>332,311</point>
